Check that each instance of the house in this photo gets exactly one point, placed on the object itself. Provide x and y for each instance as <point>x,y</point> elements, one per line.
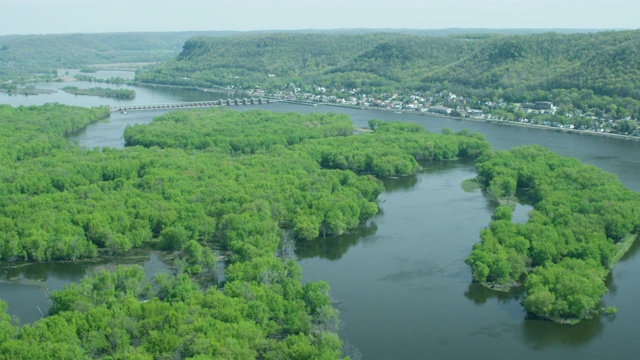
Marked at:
<point>440,110</point>
<point>539,105</point>
<point>544,105</point>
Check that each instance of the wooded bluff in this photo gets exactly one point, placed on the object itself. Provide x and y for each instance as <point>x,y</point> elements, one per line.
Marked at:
<point>579,71</point>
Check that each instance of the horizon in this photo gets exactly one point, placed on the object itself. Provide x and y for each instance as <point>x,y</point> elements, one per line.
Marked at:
<point>49,17</point>
<point>459,30</point>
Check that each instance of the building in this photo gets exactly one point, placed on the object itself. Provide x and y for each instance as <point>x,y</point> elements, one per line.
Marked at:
<point>440,110</point>
<point>539,105</point>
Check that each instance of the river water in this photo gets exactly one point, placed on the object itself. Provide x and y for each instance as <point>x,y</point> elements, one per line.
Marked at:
<point>400,283</point>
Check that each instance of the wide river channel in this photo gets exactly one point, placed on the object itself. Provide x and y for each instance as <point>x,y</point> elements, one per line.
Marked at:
<point>400,283</point>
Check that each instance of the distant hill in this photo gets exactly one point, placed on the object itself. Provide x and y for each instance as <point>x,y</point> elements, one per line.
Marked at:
<point>608,63</point>
<point>584,71</point>
<point>26,54</point>
<point>373,60</point>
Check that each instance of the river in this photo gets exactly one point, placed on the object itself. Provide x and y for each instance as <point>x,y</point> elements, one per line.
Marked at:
<point>400,283</point>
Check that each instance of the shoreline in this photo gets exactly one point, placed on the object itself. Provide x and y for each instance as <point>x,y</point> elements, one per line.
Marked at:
<point>496,122</point>
<point>26,92</point>
<point>356,107</point>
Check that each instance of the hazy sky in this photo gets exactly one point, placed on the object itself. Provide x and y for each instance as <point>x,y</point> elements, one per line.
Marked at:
<point>73,16</point>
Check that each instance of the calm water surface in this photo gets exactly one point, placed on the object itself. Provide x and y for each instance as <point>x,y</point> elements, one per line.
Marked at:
<point>400,283</point>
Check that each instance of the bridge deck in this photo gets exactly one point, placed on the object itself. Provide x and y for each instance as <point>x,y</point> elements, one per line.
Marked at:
<point>192,104</point>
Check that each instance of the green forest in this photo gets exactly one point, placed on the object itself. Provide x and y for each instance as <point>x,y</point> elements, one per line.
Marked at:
<point>582,223</point>
<point>272,61</point>
<point>104,92</point>
<point>582,72</point>
<point>222,185</point>
<point>21,56</point>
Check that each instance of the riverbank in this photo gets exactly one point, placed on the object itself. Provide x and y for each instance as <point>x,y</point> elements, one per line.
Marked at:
<point>490,121</point>
<point>103,92</point>
<point>26,91</point>
<point>429,114</point>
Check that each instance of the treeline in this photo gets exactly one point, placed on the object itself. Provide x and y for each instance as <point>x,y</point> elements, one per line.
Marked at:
<point>35,131</point>
<point>592,73</point>
<point>395,149</point>
<point>487,67</point>
<point>271,61</point>
<point>113,80</point>
<point>263,312</point>
<point>21,55</point>
<point>104,92</point>
<point>234,132</point>
<point>392,150</point>
<point>583,221</point>
<point>70,203</point>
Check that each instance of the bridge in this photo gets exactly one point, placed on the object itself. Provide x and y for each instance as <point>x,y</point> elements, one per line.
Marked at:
<point>192,104</point>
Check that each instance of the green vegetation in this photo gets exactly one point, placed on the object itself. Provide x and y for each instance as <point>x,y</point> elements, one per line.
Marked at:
<point>118,315</point>
<point>88,78</point>
<point>37,131</point>
<point>470,185</point>
<point>564,251</point>
<point>272,61</point>
<point>88,69</point>
<point>104,92</point>
<point>21,56</point>
<point>248,183</point>
<point>583,74</point>
<point>12,89</point>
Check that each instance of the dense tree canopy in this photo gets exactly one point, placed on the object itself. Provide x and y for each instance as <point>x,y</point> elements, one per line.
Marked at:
<point>581,72</point>
<point>21,55</point>
<point>245,182</point>
<point>331,60</point>
<point>104,92</point>
<point>580,225</point>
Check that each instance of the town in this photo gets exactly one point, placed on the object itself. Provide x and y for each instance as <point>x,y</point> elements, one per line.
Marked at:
<point>444,103</point>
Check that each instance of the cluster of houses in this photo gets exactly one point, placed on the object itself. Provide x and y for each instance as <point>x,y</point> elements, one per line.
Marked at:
<point>443,103</point>
<point>457,106</point>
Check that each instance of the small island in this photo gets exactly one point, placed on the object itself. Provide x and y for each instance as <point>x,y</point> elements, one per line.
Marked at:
<point>11,89</point>
<point>99,91</point>
<point>583,222</point>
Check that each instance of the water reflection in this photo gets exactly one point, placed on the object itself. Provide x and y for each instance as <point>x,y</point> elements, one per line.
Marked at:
<point>400,183</point>
<point>480,294</point>
<point>541,334</point>
<point>26,287</point>
<point>42,271</point>
<point>334,248</point>
<point>521,213</point>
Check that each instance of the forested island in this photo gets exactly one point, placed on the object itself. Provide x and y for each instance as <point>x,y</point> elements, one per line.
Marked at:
<point>219,183</point>
<point>100,91</point>
<point>12,89</point>
<point>583,221</point>
<point>113,80</point>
